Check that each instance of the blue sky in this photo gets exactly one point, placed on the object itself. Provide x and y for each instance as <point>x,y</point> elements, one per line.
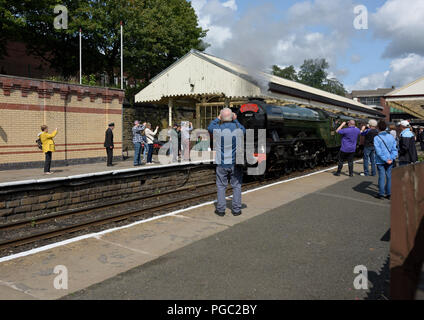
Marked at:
<point>259,34</point>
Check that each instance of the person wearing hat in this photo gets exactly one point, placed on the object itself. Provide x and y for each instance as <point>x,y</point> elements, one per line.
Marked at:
<point>109,144</point>
<point>407,149</point>
<point>369,150</point>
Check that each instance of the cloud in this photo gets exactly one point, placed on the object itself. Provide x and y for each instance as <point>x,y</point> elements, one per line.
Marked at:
<point>315,29</point>
<point>402,71</point>
<point>402,23</point>
<point>217,17</point>
<point>355,58</point>
<point>283,38</point>
<point>231,4</point>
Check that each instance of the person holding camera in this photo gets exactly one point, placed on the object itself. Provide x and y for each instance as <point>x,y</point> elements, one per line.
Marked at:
<point>226,151</point>
<point>150,135</point>
<point>185,138</point>
<point>348,148</point>
<point>48,146</point>
<point>369,133</point>
<point>138,141</point>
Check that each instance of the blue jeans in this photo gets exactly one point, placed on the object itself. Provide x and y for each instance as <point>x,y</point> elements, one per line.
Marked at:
<point>385,179</point>
<point>150,153</point>
<point>145,149</point>
<point>137,152</point>
<point>369,153</point>
<point>235,174</point>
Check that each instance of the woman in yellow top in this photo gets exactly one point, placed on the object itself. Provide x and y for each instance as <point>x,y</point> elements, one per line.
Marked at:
<point>48,146</point>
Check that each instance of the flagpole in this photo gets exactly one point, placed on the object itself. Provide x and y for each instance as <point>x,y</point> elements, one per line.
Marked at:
<point>80,56</point>
<point>122,58</point>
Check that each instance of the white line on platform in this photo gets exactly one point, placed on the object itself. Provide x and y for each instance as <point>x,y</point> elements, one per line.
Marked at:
<point>99,234</point>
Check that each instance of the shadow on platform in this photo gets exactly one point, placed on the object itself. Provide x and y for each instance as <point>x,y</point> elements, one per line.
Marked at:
<point>380,282</point>
<point>365,188</point>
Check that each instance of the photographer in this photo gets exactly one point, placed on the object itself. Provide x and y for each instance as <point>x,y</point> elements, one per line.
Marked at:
<point>369,150</point>
<point>150,135</point>
<point>226,163</point>
<point>138,141</point>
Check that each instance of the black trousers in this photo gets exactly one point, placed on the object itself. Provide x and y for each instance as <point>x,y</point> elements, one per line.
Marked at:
<point>109,153</point>
<point>48,161</point>
<point>343,156</point>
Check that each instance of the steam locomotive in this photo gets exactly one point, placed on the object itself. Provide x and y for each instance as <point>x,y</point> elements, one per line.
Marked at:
<point>296,137</point>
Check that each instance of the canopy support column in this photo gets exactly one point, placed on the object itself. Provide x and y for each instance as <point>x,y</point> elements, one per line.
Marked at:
<point>170,106</point>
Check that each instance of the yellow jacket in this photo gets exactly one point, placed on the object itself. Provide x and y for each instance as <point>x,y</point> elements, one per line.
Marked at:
<point>47,141</point>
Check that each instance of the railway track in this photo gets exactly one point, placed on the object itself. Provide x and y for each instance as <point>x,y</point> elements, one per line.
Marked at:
<point>64,224</point>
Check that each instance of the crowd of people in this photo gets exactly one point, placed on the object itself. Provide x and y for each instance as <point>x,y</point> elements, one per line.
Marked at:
<point>384,149</point>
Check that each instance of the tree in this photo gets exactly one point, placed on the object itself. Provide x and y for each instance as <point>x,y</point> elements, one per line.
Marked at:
<point>334,86</point>
<point>312,73</point>
<point>156,33</point>
<point>10,22</point>
<point>288,73</point>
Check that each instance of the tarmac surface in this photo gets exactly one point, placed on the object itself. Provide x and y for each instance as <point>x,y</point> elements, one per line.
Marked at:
<point>305,249</point>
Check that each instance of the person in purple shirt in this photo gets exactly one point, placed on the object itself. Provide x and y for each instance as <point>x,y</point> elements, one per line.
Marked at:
<point>348,148</point>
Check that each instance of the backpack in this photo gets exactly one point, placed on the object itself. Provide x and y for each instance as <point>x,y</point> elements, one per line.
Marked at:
<point>39,144</point>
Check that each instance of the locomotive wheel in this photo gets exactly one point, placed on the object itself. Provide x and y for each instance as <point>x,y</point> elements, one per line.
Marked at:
<point>288,169</point>
<point>328,158</point>
<point>312,163</point>
<point>300,166</point>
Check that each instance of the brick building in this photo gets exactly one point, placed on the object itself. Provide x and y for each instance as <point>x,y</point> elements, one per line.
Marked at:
<point>81,114</point>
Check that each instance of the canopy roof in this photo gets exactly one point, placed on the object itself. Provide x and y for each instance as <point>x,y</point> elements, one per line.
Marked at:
<point>409,98</point>
<point>199,74</point>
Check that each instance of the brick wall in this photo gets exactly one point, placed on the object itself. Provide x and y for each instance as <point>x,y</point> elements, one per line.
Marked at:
<point>81,114</point>
<point>29,201</point>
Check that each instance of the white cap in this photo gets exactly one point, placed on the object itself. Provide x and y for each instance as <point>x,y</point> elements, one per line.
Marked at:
<point>404,123</point>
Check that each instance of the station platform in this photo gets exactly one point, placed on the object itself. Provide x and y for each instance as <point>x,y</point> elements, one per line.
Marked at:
<point>297,239</point>
<point>33,175</point>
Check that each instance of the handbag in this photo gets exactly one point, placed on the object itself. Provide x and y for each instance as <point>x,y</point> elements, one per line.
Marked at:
<point>394,160</point>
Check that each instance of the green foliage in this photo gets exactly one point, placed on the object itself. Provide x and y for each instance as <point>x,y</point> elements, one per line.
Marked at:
<point>312,73</point>
<point>89,80</point>
<point>10,22</point>
<point>288,73</point>
<point>156,34</point>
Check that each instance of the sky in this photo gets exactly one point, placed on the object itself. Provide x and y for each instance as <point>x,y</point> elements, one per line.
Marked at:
<point>368,44</point>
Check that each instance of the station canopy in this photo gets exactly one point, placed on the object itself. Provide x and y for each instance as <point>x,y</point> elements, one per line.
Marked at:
<point>409,99</point>
<point>198,75</point>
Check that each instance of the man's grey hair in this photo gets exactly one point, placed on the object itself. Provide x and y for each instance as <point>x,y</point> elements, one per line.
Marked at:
<point>373,123</point>
<point>352,122</point>
<point>226,115</point>
<point>136,122</point>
